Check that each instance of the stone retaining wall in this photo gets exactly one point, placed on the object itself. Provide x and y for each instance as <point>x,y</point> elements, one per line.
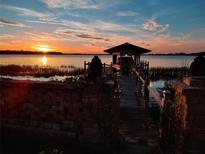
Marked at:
<point>190,107</point>
<point>55,108</point>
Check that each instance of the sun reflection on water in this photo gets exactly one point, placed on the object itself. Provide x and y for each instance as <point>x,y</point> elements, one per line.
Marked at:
<point>44,60</point>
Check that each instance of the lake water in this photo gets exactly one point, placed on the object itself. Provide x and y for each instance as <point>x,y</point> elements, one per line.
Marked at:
<point>78,60</point>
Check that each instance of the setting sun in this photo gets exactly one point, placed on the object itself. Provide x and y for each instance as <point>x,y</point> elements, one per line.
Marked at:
<point>44,48</point>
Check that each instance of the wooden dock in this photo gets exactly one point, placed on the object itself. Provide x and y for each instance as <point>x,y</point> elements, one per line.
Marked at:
<point>128,97</point>
<point>136,125</point>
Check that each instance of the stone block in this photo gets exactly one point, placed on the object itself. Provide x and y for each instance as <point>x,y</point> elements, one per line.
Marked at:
<point>68,126</point>
<point>90,131</point>
<point>70,134</point>
<point>56,126</point>
<point>12,121</point>
<point>33,123</point>
<point>47,125</point>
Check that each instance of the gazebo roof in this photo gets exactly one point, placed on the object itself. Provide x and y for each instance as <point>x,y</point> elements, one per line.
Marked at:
<point>128,48</point>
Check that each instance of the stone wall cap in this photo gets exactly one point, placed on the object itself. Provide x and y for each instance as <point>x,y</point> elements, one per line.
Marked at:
<point>194,81</point>
<point>185,89</point>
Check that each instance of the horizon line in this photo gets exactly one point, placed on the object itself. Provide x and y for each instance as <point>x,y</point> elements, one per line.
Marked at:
<point>78,53</point>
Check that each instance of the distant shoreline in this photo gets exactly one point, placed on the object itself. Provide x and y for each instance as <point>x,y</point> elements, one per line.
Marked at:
<point>8,52</point>
<point>5,52</point>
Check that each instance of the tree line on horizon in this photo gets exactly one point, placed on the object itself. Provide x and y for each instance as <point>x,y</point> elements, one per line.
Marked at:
<point>27,52</point>
<point>61,53</point>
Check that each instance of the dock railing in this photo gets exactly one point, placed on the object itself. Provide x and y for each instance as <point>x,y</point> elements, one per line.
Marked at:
<point>165,104</point>
<point>141,72</point>
<point>106,68</point>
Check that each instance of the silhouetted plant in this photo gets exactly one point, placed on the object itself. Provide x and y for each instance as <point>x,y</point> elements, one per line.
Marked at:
<point>167,87</point>
<point>197,66</point>
<point>167,116</point>
<point>95,69</point>
<point>173,120</point>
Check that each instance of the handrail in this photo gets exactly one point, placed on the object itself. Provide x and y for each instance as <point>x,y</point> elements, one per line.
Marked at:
<point>103,64</point>
<point>104,67</point>
<point>138,74</point>
<point>152,92</point>
<point>157,98</point>
<point>109,65</point>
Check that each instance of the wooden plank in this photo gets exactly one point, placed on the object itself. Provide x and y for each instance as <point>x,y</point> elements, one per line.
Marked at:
<point>136,125</point>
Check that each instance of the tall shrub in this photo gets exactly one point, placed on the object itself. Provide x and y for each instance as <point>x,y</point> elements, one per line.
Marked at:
<point>95,69</point>
<point>197,66</point>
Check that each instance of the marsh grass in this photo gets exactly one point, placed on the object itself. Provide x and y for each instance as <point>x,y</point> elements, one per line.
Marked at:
<point>156,73</point>
<point>168,73</point>
<point>39,71</point>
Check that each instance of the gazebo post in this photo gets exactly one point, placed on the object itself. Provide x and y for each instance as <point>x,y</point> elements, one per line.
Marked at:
<point>114,59</point>
<point>138,59</point>
<point>120,62</point>
<point>135,60</point>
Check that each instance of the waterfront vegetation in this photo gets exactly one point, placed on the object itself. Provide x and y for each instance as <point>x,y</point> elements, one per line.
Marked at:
<point>168,73</point>
<point>156,73</point>
<point>39,71</point>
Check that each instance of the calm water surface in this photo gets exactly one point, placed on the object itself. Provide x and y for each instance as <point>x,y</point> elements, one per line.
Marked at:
<point>78,60</point>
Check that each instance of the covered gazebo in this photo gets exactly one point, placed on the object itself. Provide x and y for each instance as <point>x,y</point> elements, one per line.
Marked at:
<point>126,54</point>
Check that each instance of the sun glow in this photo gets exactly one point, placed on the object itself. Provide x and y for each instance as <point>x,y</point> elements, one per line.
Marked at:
<point>44,60</point>
<point>44,48</point>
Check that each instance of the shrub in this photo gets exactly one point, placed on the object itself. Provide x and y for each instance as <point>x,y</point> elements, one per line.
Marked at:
<point>95,69</point>
<point>197,66</point>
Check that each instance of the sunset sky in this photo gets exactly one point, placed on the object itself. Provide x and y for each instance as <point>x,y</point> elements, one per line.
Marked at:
<point>91,26</point>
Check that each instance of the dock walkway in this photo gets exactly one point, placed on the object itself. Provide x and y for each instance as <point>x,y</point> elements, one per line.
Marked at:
<point>128,97</point>
<point>136,125</point>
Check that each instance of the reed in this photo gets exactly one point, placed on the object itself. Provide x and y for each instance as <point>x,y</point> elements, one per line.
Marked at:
<point>156,73</point>
<point>39,71</point>
<point>168,73</point>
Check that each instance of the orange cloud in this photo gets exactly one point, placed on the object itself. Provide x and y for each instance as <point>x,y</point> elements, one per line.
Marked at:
<point>73,42</point>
